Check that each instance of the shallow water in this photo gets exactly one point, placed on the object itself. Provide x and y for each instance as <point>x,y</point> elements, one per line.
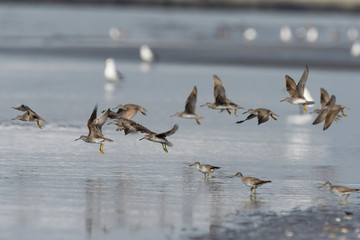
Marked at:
<point>55,188</point>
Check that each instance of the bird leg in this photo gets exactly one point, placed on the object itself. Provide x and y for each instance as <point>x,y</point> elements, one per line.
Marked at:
<point>197,121</point>
<point>210,172</point>
<point>304,108</point>
<point>143,113</point>
<point>346,199</point>
<point>235,111</point>
<point>254,190</point>
<point>101,148</point>
<point>273,117</point>
<point>164,147</point>
<point>340,200</point>
<point>38,124</point>
<point>344,114</point>
<point>228,110</point>
<point>251,189</point>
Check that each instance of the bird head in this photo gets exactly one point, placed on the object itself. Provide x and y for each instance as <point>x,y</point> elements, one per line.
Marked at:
<point>194,164</point>
<point>82,137</point>
<point>327,184</point>
<point>238,174</point>
<point>287,99</point>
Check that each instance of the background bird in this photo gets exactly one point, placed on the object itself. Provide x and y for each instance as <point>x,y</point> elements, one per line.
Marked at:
<point>190,107</point>
<point>261,113</point>
<point>161,137</point>
<point>29,115</point>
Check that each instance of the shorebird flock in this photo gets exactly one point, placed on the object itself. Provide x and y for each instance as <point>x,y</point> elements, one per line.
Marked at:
<point>122,118</point>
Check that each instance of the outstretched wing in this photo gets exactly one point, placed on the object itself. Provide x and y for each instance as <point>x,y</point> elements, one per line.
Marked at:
<point>290,85</point>
<point>300,88</point>
<point>190,104</point>
<point>219,91</point>
<point>324,97</point>
<point>332,100</point>
<point>92,117</point>
<point>262,117</point>
<point>322,115</point>
<point>168,133</point>
<point>22,107</point>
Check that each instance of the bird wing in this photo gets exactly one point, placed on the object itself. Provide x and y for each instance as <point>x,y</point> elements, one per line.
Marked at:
<point>332,100</point>
<point>100,121</point>
<point>322,115</point>
<point>290,85</point>
<point>168,133</point>
<point>219,91</point>
<point>22,107</point>
<point>129,113</point>
<point>132,126</point>
<point>263,117</point>
<point>210,166</point>
<point>300,87</point>
<point>92,118</point>
<point>324,97</point>
<point>330,117</point>
<point>190,104</point>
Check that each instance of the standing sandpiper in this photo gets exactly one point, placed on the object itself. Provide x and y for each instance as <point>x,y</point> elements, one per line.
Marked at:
<point>206,169</point>
<point>340,190</point>
<point>251,182</point>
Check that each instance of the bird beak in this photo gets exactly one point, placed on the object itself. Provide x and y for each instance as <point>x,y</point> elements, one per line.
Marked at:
<point>191,165</point>
<point>283,100</point>
<point>233,176</point>
<point>77,139</point>
<point>112,122</point>
<point>141,138</point>
<point>321,186</point>
<point>202,105</point>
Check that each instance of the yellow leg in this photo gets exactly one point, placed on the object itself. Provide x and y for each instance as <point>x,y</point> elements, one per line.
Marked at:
<point>164,147</point>
<point>228,110</point>
<point>273,117</point>
<point>210,172</point>
<point>235,112</point>
<point>197,121</point>
<point>101,148</point>
<point>143,113</point>
<point>254,190</point>
<point>346,200</point>
<point>344,114</point>
<point>340,200</point>
<point>38,124</point>
<point>304,108</point>
<point>251,190</point>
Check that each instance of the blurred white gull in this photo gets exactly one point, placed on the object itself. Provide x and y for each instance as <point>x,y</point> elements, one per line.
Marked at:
<point>250,34</point>
<point>285,34</point>
<point>352,34</point>
<point>110,72</point>
<point>117,34</point>
<point>312,34</point>
<point>146,54</point>
<point>355,49</point>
